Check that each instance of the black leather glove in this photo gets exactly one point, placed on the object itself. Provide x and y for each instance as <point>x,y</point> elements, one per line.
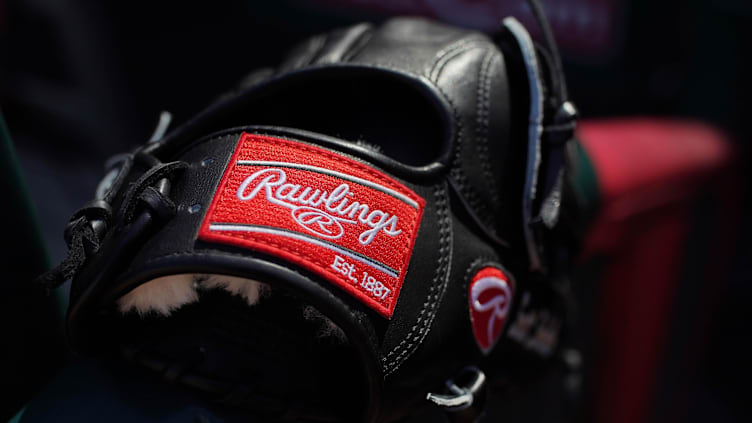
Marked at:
<point>372,227</point>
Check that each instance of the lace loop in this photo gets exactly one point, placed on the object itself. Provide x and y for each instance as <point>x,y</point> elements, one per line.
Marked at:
<point>90,224</point>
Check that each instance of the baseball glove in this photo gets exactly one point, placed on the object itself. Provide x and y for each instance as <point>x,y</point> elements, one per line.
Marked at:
<point>377,225</point>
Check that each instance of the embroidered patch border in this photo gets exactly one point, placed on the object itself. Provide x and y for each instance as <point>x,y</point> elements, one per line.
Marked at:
<point>330,214</point>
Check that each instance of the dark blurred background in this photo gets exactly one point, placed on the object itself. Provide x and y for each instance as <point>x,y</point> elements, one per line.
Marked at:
<point>81,80</point>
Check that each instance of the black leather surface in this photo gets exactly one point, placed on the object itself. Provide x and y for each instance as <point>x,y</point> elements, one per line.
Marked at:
<point>456,82</point>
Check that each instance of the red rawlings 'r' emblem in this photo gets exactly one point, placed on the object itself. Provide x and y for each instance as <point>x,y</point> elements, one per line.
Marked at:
<point>490,299</point>
<point>325,212</point>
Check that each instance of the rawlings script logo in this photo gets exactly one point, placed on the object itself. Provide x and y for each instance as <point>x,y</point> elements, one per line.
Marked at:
<point>498,304</point>
<point>318,211</point>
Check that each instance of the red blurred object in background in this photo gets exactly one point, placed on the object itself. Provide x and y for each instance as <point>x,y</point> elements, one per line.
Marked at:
<point>660,185</point>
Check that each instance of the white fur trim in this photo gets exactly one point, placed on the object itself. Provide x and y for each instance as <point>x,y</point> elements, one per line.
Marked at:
<point>249,289</point>
<point>162,295</point>
<point>168,293</point>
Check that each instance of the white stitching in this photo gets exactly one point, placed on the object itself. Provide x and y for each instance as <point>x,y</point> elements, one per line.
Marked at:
<point>436,292</point>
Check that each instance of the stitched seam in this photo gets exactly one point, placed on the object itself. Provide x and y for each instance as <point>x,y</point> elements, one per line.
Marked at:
<point>483,116</point>
<point>448,49</point>
<point>456,53</point>
<point>441,200</point>
<point>423,332</point>
<point>441,55</point>
<point>459,177</point>
<point>456,172</point>
<point>436,291</point>
<point>388,366</point>
<point>435,279</point>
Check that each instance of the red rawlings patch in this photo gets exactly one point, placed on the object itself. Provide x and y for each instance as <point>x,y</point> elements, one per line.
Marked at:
<point>327,213</point>
<point>490,298</point>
